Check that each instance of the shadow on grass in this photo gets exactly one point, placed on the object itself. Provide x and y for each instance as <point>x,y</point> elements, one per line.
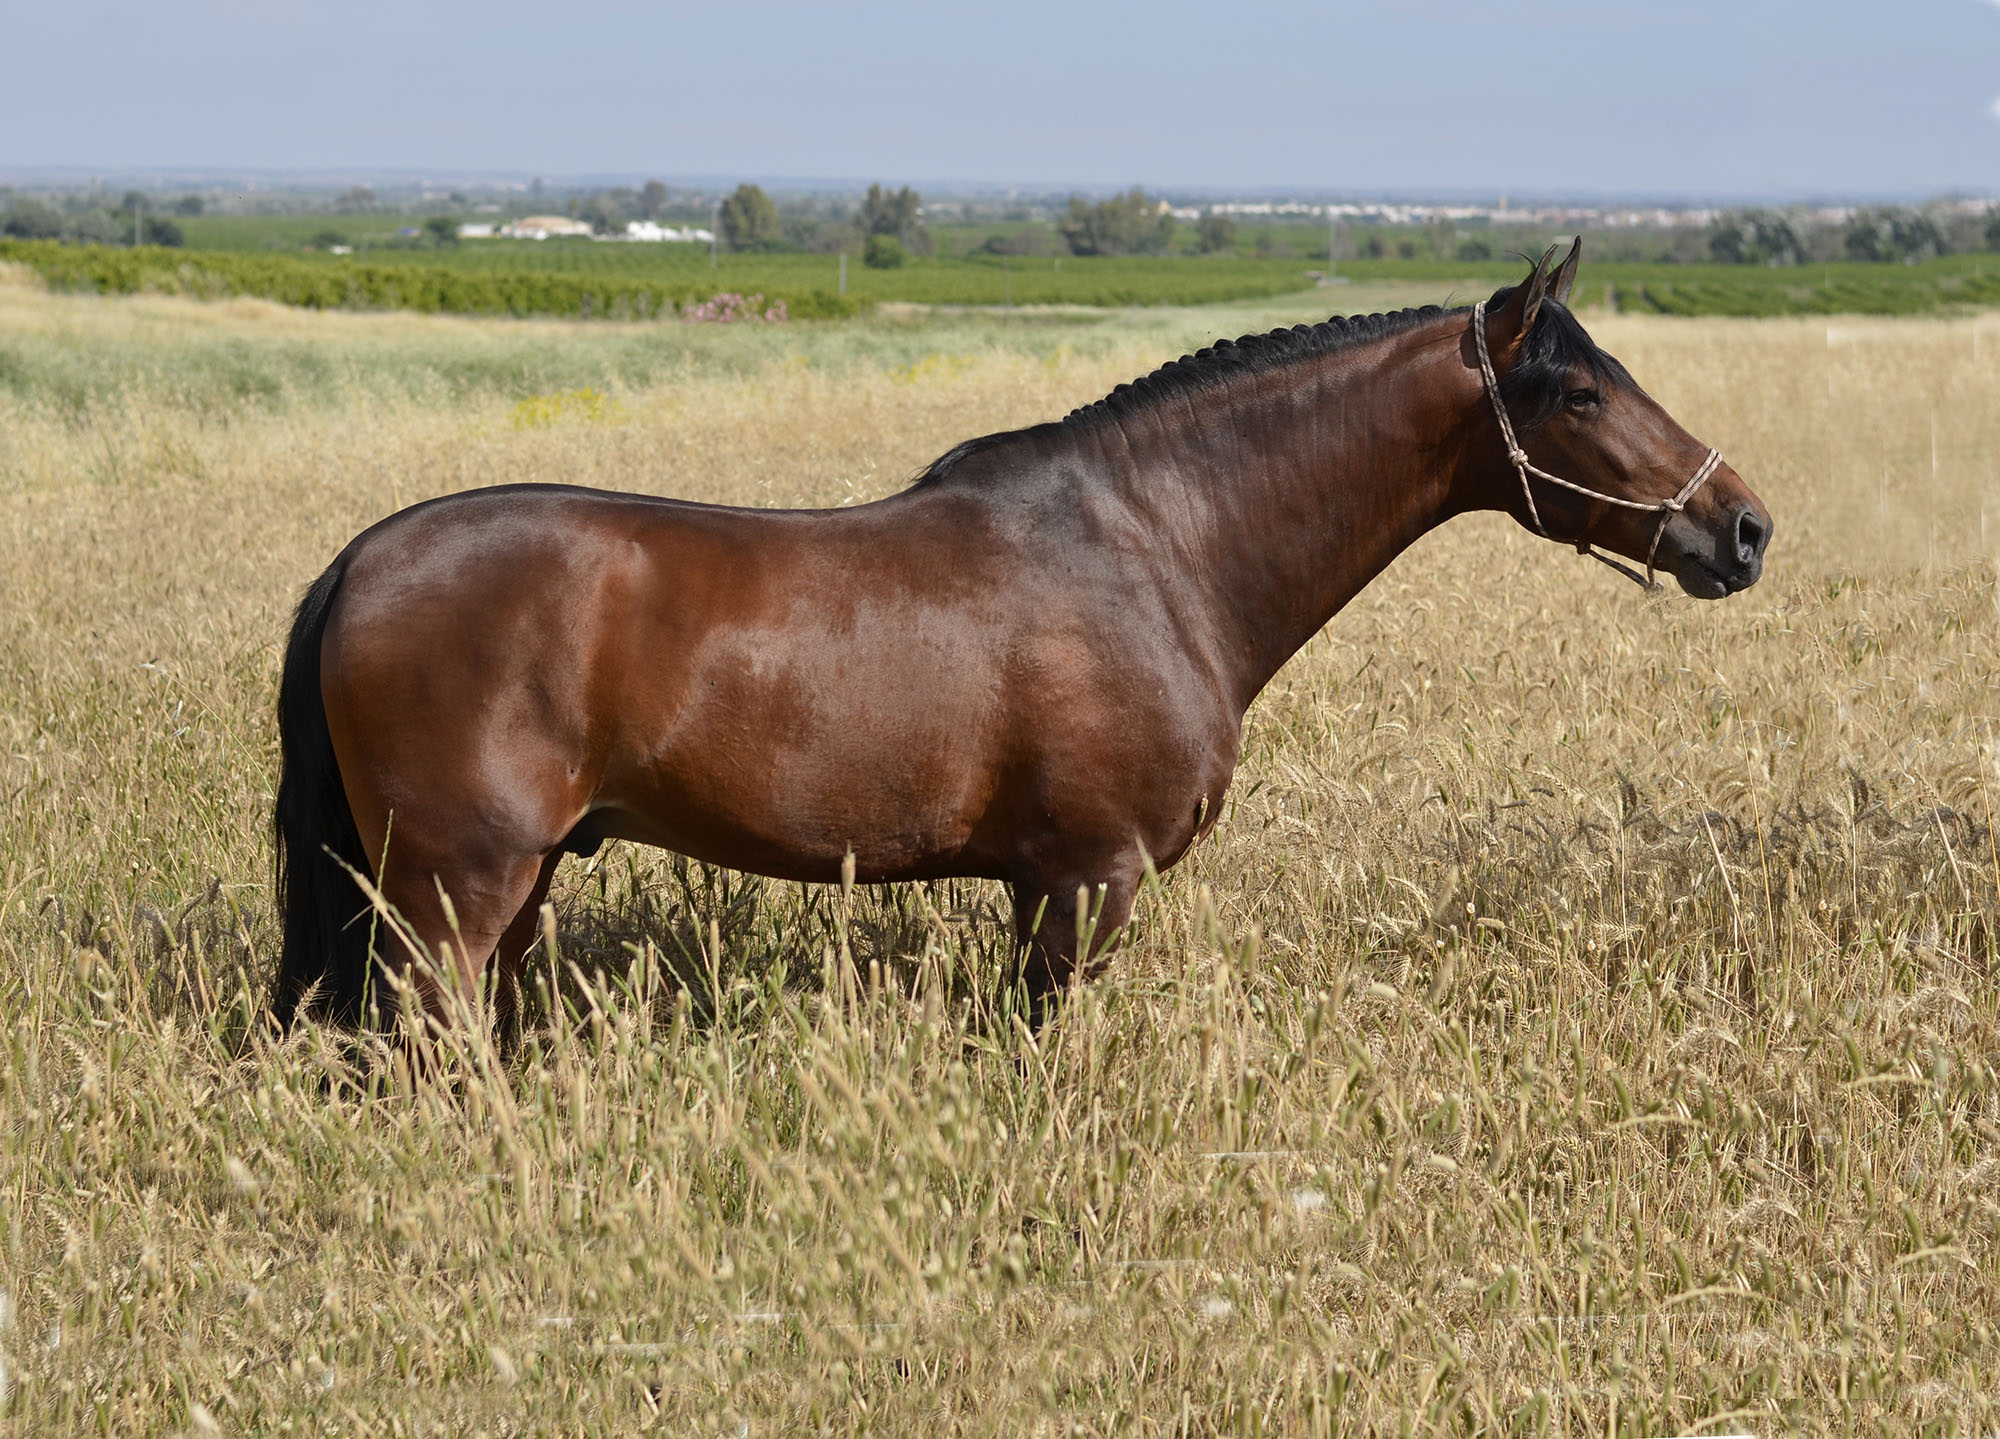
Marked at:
<point>666,930</point>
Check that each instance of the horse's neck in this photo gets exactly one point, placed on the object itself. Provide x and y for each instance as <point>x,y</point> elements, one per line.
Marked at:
<point>1318,475</point>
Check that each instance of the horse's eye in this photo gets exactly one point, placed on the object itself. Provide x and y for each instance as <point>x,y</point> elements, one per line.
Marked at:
<point>1580,400</point>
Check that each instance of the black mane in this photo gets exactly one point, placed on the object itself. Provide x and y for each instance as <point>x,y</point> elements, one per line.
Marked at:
<point>1556,348</point>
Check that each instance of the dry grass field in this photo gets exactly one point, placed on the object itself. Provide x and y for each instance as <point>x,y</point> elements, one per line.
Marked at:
<point>1584,1020</point>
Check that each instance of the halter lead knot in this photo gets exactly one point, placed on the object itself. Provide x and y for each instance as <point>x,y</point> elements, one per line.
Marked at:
<point>1518,458</point>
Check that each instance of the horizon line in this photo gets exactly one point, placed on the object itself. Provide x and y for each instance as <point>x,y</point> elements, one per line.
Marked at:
<point>1319,191</point>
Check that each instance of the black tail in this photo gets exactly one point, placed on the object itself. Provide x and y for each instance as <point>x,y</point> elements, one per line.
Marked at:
<point>326,931</point>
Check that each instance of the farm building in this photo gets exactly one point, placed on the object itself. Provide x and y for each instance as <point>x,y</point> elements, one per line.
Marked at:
<point>542,227</point>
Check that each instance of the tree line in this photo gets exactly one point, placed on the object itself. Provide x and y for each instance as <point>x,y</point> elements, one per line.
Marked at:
<point>1876,234</point>
<point>93,220</point>
<point>888,225</point>
<point>885,228</point>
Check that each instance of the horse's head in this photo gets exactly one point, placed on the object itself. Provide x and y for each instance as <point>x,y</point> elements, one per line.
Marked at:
<point>1594,459</point>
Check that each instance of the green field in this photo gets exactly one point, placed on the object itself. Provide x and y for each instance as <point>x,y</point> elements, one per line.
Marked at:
<point>291,232</point>
<point>579,278</point>
<point>932,280</point>
<point>584,279</point>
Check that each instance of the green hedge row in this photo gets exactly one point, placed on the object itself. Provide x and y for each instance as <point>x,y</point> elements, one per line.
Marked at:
<point>1842,289</point>
<point>581,278</point>
<point>641,281</point>
<point>439,289</point>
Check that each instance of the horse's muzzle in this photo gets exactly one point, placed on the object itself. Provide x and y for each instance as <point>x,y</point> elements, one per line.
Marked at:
<point>1733,559</point>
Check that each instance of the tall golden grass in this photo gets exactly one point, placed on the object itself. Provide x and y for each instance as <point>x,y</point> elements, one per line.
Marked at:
<point>1582,1022</point>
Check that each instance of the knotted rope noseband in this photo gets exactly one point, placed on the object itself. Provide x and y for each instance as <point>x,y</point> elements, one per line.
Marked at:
<point>1518,458</point>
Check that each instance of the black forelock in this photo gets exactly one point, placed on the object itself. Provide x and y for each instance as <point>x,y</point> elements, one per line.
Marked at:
<point>1557,348</point>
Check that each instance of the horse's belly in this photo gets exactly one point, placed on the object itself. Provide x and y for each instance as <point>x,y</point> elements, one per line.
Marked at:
<point>792,786</point>
<point>801,836</point>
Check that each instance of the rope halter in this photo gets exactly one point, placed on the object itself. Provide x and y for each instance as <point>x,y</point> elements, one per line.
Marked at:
<point>1518,458</point>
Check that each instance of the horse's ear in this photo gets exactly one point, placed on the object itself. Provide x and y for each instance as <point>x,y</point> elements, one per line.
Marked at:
<point>1564,279</point>
<point>1509,325</point>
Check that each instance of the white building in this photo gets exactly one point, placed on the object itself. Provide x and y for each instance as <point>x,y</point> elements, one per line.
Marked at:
<point>542,227</point>
<point>648,232</point>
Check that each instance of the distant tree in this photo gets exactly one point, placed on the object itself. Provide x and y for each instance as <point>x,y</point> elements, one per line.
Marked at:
<point>97,227</point>
<point>1754,237</point>
<point>441,231</point>
<point>1028,240</point>
<point>27,218</point>
<point>1269,244</point>
<point>134,202</point>
<point>358,197</point>
<point>327,239</point>
<point>749,219</point>
<point>1993,228</point>
<point>1439,233</point>
<point>653,199</point>
<point>190,205</point>
<point>811,234</point>
<point>1915,236</point>
<point>1214,233</point>
<point>1726,245</point>
<point>158,230</point>
<point>1863,241</point>
<point>457,197</point>
<point>1474,249</point>
<point>883,252</point>
<point>895,213</point>
<point>1127,224</point>
<point>1778,241</point>
<point>1888,234</point>
<point>1371,248</point>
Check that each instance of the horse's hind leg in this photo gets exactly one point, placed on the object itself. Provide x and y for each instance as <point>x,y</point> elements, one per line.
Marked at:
<point>460,913</point>
<point>510,960</point>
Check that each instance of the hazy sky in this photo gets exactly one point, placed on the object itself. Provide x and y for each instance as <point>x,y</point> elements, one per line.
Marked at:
<point>1698,97</point>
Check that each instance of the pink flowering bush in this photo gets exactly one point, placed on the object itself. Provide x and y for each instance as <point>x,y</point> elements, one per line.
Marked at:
<point>729,307</point>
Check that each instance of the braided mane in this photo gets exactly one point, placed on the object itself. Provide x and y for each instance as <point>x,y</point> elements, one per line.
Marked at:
<point>1228,360</point>
<point>1533,385</point>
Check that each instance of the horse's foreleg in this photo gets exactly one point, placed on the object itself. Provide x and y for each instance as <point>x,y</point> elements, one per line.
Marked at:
<point>1068,917</point>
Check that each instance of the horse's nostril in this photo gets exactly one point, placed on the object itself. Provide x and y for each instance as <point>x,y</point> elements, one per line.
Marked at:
<point>1752,534</point>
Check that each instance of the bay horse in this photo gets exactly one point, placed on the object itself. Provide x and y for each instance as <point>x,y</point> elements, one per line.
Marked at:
<point>1032,665</point>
